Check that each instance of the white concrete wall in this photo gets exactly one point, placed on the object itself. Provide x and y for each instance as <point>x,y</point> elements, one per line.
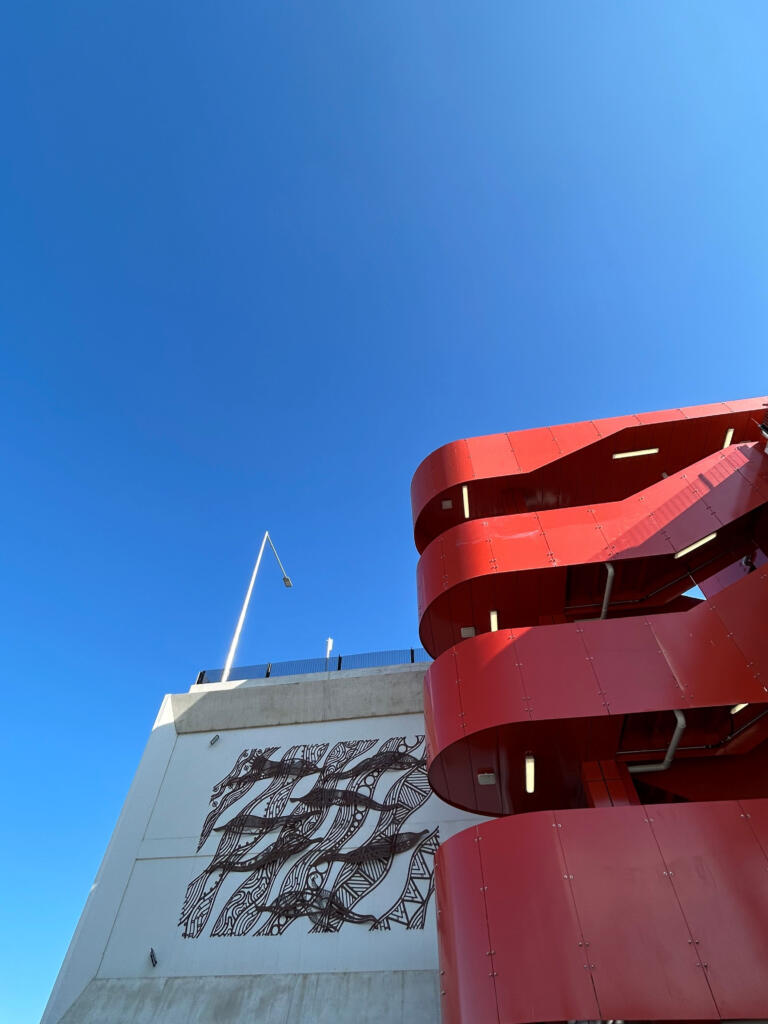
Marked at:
<point>86,949</point>
<point>140,889</point>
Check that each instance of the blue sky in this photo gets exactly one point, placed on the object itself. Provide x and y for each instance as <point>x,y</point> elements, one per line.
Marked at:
<point>260,258</point>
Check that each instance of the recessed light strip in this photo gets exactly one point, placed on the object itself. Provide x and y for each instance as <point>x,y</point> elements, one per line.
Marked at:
<point>728,437</point>
<point>494,617</point>
<point>530,773</point>
<point>697,544</point>
<point>634,455</point>
<point>737,708</point>
<point>465,499</point>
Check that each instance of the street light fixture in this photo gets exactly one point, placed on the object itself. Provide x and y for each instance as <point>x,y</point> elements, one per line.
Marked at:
<point>246,602</point>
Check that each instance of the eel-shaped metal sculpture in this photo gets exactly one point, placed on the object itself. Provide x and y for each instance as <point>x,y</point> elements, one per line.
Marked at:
<point>265,768</point>
<point>340,798</point>
<point>383,761</point>
<point>246,824</point>
<point>378,849</point>
<point>319,905</point>
<point>283,848</point>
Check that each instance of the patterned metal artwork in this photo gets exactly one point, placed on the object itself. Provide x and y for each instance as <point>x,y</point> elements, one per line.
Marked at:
<point>377,849</point>
<point>334,846</point>
<point>340,798</point>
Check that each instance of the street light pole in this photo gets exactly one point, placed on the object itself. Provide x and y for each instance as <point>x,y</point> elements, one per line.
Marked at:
<point>246,602</point>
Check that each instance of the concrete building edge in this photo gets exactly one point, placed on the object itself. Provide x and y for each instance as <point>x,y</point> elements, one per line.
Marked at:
<point>80,966</point>
<point>89,939</point>
<point>380,997</point>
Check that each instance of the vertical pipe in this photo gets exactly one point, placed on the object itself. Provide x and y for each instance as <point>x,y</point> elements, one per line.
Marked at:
<point>608,589</point>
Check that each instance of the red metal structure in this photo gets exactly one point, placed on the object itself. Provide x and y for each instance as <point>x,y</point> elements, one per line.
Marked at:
<point>615,724</point>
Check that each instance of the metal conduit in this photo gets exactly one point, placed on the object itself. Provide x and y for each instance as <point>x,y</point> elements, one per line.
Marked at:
<point>661,766</point>
<point>650,594</point>
<point>608,589</point>
<point>699,746</point>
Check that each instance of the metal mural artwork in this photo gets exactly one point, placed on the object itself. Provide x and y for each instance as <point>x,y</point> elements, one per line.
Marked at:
<point>320,852</point>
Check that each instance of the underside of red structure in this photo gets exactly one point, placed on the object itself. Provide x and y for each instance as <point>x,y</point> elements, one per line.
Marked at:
<point>594,596</point>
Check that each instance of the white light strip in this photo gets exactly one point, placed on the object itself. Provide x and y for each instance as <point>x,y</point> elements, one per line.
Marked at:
<point>494,621</point>
<point>633,455</point>
<point>530,773</point>
<point>465,499</point>
<point>737,708</point>
<point>728,437</point>
<point>692,547</point>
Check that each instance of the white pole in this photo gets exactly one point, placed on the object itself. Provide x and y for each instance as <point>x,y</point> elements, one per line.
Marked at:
<point>328,647</point>
<point>241,620</point>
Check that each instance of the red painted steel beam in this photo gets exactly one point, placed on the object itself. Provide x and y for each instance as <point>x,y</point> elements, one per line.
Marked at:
<point>578,692</point>
<point>634,913</point>
<point>539,567</point>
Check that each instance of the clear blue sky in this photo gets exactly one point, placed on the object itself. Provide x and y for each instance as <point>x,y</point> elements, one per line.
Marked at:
<point>260,258</point>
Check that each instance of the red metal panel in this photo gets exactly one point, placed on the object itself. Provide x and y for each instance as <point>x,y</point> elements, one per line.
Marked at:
<point>573,436</point>
<point>443,712</point>
<point>631,529</point>
<point>557,672</point>
<point>662,416</point>
<point>596,793</point>
<point>746,458</point>
<point>632,673</point>
<point>742,610</point>
<point>447,467</point>
<point>731,482</point>
<point>748,405</point>
<point>720,876</point>
<point>472,560</point>
<point>644,966</point>
<point>573,536</point>
<point>757,811</point>
<point>683,436</point>
<point>534,448</point>
<point>705,658</point>
<point>547,688</point>
<point>624,890</point>
<point>468,989</point>
<point>534,930</point>
<point>668,901</point>
<point>687,516</point>
<point>487,454</point>
<point>491,688</point>
<point>692,411</point>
